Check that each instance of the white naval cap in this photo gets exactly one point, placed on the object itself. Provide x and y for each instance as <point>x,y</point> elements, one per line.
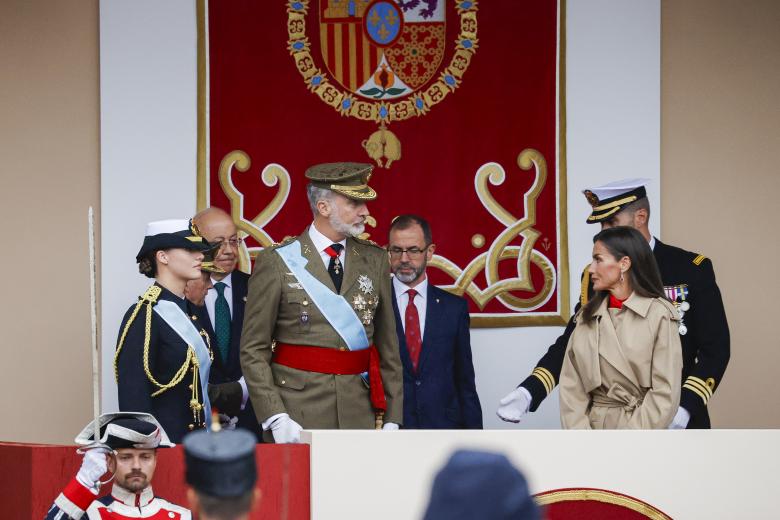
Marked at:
<point>167,226</point>
<point>608,199</point>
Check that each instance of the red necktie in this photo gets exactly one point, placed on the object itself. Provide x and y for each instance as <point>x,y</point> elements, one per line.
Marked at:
<point>412,328</point>
<point>614,303</point>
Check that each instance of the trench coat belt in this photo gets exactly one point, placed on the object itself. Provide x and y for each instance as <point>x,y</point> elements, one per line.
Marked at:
<point>340,362</point>
<point>617,397</point>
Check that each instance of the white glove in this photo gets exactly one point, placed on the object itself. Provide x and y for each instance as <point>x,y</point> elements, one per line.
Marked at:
<point>390,426</point>
<point>94,466</point>
<point>681,418</point>
<point>515,405</point>
<point>227,422</point>
<point>285,430</point>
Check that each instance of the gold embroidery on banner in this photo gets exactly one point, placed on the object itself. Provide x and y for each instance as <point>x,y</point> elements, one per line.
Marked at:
<point>421,103</point>
<point>500,249</point>
<point>272,175</point>
<point>600,495</point>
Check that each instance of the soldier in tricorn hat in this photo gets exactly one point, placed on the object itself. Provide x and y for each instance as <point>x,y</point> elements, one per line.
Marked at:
<point>319,347</point>
<point>127,447</point>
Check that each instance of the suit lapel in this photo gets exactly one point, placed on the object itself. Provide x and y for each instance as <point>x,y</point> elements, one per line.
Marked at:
<point>609,345</point>
<point>399,329</point>
<point>236,325</point>
<point>433,314</point>
<point>354,266</point>
<point>314,263</point>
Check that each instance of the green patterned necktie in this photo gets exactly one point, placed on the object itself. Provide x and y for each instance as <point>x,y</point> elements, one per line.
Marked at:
<point>222,321</point>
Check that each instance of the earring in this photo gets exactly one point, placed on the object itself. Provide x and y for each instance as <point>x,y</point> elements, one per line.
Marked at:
<point>621,277</point>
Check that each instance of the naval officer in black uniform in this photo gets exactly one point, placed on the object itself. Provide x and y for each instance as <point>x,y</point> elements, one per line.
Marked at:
<point>163,355</point>
<point>689,282</point>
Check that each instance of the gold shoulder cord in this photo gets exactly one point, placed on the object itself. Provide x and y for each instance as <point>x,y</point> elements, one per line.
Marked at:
<point>148,299</point>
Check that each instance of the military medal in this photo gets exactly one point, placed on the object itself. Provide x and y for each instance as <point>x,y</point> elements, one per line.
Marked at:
<point>366,316</point>
<point>366,285</point>
<point>358,302</point>
<point>336,265</point>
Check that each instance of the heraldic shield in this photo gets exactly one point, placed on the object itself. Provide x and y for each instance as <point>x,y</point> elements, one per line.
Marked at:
<point>382,49</point>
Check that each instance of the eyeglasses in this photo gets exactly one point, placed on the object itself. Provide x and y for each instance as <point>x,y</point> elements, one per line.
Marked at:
<point>232,242</point>
<point>413,252</point>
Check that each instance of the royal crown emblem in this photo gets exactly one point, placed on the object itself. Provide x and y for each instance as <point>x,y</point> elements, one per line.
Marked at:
<point>381,60</point>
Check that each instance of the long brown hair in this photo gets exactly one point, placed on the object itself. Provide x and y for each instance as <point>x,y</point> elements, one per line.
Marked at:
<point>644,276</point>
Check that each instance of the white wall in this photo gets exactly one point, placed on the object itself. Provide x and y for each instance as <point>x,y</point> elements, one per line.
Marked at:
<point>148,84</point>
<point>148,107</point>
<point>643,464</point>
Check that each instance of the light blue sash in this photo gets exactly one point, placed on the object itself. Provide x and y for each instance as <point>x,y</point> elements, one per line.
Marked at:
<point>180,322</point>
<point>334,307</point>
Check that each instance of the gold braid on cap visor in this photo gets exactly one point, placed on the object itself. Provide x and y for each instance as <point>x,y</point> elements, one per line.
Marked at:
<point>355,191</point>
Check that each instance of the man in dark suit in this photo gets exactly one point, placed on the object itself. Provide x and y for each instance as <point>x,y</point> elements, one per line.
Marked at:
<point>433,336</point>
<point>689,282</point>
<point>224,304</point>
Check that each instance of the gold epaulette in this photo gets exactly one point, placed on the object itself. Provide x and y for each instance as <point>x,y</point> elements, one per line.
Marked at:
<point>584,285</point>
<point>699,259</point>
<point>546,377</point>
<point>700,387</point>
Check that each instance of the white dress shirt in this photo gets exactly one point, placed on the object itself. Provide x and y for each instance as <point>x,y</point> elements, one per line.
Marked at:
<point>211,297</point>
<point>321,243</point>
<point>420,301</point>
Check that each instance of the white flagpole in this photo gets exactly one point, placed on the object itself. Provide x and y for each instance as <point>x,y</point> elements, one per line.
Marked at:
<point>93,302</point>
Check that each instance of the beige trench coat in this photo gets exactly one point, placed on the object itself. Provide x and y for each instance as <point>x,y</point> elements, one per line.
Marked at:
<point>622,369</point>
<point>275,304</point>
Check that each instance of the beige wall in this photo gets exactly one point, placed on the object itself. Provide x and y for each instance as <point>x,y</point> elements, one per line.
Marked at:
<point>720,142</point>
<point>49,144</point>
<point>720,151</point>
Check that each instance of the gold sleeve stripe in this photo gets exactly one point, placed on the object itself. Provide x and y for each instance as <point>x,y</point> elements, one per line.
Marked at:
<point>696,391</point>
<point>546,377</point>
<point>700,383</point>
<point>544,381</point>
<point>699,259</point>
<point>584,288</point>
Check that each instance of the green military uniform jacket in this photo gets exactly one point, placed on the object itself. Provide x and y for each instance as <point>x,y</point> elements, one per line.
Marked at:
<point>279,309</point>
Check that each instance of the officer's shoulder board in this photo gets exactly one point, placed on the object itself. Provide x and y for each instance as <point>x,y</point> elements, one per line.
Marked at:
<point>367,242</point>
<point>285,241</point>
<point>585,285</point>
<point>698,260</point>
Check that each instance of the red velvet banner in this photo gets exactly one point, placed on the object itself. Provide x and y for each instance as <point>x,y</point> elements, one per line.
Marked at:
<point>456,102</point>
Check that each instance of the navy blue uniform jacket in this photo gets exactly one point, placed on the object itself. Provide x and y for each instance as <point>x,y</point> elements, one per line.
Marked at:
<point>167,353</point>
<point>441,394</point>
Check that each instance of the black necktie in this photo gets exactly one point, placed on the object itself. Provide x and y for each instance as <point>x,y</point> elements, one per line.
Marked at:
<point>335,269</point>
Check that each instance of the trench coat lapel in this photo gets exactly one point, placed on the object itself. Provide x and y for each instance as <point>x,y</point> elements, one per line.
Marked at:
<point>314,263</point>
<point>609,346</point>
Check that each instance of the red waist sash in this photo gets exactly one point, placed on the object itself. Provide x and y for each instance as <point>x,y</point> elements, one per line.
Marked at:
<point>340,362</point>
